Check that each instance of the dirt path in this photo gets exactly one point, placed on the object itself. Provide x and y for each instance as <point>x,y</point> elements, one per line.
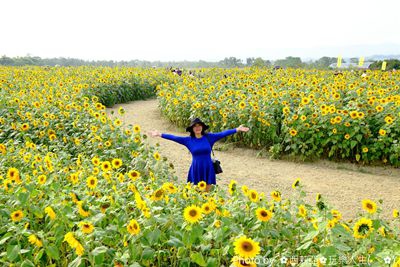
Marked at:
<point>343,185</point>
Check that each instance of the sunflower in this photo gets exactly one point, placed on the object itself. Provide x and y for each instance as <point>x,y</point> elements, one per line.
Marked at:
<point>245,190</point>
<point>50,212</point>
<point>83,210</point>
<point>42,179</point>
<point>170,187</point>
<point>91,182</point>
<point>397,263</point>
<point>305,100</point>
<point>379,108</point>
<point>17,216</point>
<point>353,114</point>
<point>365,149</point>
<point>263,215</point>
<point>74,178</point>
<point>232,187</point>
<point>158,194</point>
<point>293,132</point>
<point>206,208</point>
<point>382,132</point>
<point>192,214</point>
<point>242,105</point>
<point>121,111</point>
<point>246,247</point>
<point>136,129</point>
<point>25,127</point>
<point>3,149</point>
<point>13,174</point>
<point>95,161</point>
<point>362,228</point>
<point>116,163</point>
<point>35,241</point>
<point>217,223</point>
<point>156,156</point>
<point>369,206</point>
<point>202,186</point>
<point>276,196</point>
<point>331,224</point>
<point>117,122</point>
<point>253,195</point>
<point>336,215</point>
<point>347,136</point>
<point>86,227</point>
<point>95,171</point>
<point>302,211</point>
<point>296,183</point>
<point>395,213</point>
<point>133,175</point>
<point>388,120</point>
<point>106,166</point>
<point>286,110</point>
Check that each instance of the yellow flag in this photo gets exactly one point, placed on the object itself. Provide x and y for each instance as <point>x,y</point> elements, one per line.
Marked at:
<point>339,61</point>
<point>361,62</point>
<point>384,65</point>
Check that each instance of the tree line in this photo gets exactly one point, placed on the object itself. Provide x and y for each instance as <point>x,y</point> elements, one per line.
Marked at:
<point>228,62</point>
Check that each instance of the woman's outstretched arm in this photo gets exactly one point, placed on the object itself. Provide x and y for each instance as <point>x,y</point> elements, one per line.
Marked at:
<point>214,137</point>
<point>178,139</point>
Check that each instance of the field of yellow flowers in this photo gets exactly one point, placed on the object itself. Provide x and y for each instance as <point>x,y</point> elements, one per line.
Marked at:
<point>78,188</point>
<point>310,114</point>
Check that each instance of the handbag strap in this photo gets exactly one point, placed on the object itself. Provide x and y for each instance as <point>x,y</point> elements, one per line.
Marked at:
<point>212,151</point>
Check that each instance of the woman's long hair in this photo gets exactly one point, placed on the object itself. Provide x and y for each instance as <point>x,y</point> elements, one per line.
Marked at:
<point>203,132</point>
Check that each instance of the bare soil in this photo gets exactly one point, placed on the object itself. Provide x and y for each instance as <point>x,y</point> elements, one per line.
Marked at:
<point>343,185</point>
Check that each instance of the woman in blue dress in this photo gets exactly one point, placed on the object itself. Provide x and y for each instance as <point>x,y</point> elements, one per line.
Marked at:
<point>200,143</point>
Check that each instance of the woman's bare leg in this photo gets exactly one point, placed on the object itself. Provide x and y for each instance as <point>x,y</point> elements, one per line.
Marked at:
<point>208,187</point>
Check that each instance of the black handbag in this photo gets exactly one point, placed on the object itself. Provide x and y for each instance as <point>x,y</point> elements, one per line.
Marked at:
<point>217,165</point>
<point>216,162</point>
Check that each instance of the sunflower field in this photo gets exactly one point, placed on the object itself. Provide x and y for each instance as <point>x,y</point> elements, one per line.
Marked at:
<point>309,114</point>
<point>78,188</point>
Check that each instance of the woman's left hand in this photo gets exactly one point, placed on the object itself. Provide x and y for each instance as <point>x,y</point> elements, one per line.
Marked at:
<point>242,128</point>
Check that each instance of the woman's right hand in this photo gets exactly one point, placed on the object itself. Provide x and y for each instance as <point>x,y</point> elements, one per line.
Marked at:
<point>154,133</point>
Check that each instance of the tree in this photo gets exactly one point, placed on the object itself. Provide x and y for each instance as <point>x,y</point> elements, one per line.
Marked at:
<point>390,64</point>
<point>290,62</point>
<point>259,63</point>
<point>231,62</point>
<point>249,61</point>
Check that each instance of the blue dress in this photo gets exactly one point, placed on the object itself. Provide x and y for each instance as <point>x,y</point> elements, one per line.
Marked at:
<point>202,168</point>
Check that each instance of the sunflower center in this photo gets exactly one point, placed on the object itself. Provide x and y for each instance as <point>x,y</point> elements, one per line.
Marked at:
<point>264,213</point>
<point>247,246</point>
<point>364,228</point>
<point>159,193</point>
<point>92,182</point>
<point>192,213</point>
<point>244,263</point>
<point>369,206</point>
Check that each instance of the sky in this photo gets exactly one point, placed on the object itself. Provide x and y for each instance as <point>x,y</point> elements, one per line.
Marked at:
<point>198,30</point>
